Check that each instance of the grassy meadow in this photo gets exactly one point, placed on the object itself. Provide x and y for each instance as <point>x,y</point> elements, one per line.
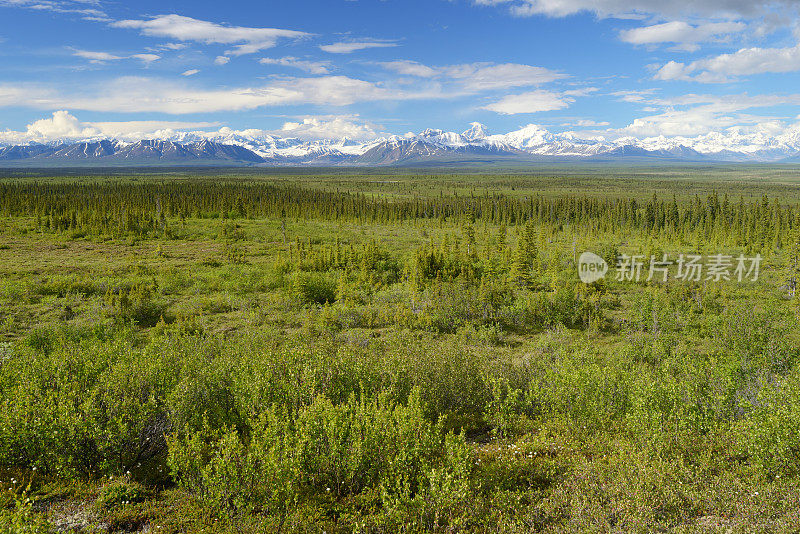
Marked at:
<point>398,352</point>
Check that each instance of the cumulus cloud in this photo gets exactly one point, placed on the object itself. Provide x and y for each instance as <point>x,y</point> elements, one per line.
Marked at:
<point>681,122</point>
<point>348,47</point>
<point>190,72</point>
<point>696,128</point>
<point>246,40</point>
<point>681,34</point>
<point>530,102</point>
<point>63,126</point>
<point>221,60</point>
<point>329,127</point>
<point>746,61</point>
<point>694,114</point>
<point>60,125</point>
<point>312,67</point>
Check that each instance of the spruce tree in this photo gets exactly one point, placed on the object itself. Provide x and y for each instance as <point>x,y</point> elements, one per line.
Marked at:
<point>793,263</point>
<point>525,258</point>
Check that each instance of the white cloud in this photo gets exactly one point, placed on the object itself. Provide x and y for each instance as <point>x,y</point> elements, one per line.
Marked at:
<point>410,68</point>
<point>348,47</point>
<point>312,67</point>
<point>329,127</point>
<point>586,123</point>
<point>144,94</point>
<point>60,125</point>
<point>87,9</point>
<point>699,114</point>
<point>174,46</point>
<point>634,97</point>
<point>147,58</point>
<point>103,57</point>
<point>63,126</point>
<point>583,91</point>
<point>483,76</point>
<point>683,35</point>
<point>144,129</point>
<point>139,94</point>
<point>221,60</point>
<point>693,128</point>
<point>673,70</point>
<point>729,103</point>
<point>30,95</point>
<point>97,57</point>
<point>531,102</point>
<point>680,122</point>
<point>638,9</point>
<point>479,76</point>
<point>746,61</point>
<point>247,40</point>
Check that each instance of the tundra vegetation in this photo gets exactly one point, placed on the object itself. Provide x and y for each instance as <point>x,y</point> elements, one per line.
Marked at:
<point>395,353</point>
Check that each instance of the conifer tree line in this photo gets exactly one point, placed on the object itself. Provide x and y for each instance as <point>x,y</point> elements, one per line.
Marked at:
<point>131,208</point>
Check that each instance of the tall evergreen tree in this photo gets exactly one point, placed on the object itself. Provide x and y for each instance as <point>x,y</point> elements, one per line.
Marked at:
<point>525,257</point>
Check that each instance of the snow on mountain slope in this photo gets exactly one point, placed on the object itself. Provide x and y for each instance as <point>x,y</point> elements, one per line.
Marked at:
<point>531,142</point>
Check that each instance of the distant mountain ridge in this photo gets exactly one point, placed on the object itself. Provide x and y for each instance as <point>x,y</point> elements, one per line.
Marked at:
<point>109,151</point>
<point>476,145</point>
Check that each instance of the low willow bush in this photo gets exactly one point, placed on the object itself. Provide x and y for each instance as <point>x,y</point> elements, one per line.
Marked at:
<point>771,437</point>
<point>314,288</point>
<point>336,450</point>
<point>98,401</point>
<point>402,427</point>
<point>93,403</point>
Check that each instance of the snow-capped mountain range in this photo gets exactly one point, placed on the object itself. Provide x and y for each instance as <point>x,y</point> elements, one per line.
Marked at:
<point>430,147</point>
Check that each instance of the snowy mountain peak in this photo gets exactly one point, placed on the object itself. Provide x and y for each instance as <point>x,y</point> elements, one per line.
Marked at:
<point>477,132</point>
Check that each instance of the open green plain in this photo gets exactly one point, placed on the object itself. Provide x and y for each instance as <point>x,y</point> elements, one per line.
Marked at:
<point>366,351</point>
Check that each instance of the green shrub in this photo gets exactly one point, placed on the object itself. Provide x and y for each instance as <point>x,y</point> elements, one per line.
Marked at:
<point>314,288</point>
<point>136,304</point>
<point>18,515</point>
<point>86,406</point>
<point>120,493</point>
<point>327,449</point>
<point>440,500</point>
<point>770,436</point>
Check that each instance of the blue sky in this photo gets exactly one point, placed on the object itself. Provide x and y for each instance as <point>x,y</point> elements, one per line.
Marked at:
<point>361,68</point>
